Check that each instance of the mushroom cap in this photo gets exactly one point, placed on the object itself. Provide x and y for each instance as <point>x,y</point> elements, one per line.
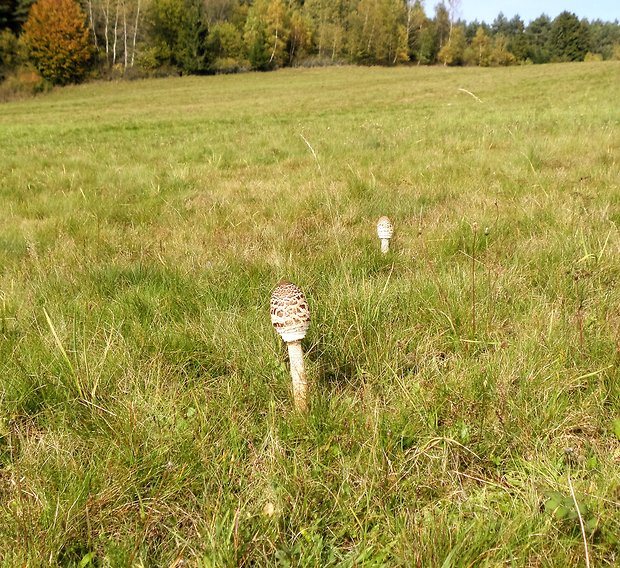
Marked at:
<point>385,229</point>
<point>290,314</point>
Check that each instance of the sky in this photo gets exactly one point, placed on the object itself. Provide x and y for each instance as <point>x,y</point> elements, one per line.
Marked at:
<point>487,10</point>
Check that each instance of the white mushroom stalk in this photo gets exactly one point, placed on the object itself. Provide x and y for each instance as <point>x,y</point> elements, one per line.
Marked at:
<point>385,231</point>
<point>290,317</point>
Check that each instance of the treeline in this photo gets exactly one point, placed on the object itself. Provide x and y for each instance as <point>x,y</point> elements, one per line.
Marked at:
<point>66,40</point>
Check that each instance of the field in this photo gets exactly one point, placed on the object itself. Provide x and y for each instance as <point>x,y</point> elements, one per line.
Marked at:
<point>465,404</point>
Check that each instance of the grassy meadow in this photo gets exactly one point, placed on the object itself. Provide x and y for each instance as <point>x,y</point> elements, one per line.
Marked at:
<point>465,405</point>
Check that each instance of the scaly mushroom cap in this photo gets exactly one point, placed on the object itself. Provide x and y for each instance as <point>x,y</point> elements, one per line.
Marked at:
<point>385,229</point>
<point>290,314</point>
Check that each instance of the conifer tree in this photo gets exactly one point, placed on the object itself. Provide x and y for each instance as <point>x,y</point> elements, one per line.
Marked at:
<point>537,35</point>
<point>569,38</point>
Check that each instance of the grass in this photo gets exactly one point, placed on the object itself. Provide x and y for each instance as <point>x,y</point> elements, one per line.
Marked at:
<point>462,385</point>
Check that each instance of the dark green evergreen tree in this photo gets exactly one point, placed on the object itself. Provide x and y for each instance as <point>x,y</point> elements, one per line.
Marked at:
<point>537,36</point>
<point>178,31</point>
<point>14,13</point>
<point>7,11</point>
<point>603,37</point>
<point>471,29</point>
<point>258,53</point>
<point>517,43</point>
<point>191,53</point>
<point>500,25</point>
<point>569,38</point>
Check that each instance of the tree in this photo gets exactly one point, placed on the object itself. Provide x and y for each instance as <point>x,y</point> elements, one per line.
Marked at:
<point>378,32</point>
<point>256,39</point>
<point>454,7</point>
<point>480,49</point>
<point>9,52</point>
<point>443,24</point>
<point>500,25</point>
<point>568,38</point>
<point>329,25</point>
<point>58,41</point>
<point>278,30</point>
<point>7,10</point>
<point>116,28</point>
<point>471,29</point>
<point>218,11</point>
<point>500,54</point>
<point>517,44</point>
<point>537,39</point>
<point>178,30</point>
<point>191,54</point>
<point>603,37</point>
<point>453,52</point>
<point>300,36</point>
<point>417,21</point>
<point>13,13</point>
<point>392,39</point>
<point>226,47</point>
<point>266,33</point>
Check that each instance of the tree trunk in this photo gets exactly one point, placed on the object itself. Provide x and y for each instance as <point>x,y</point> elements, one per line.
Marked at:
<point>275,45</point>
<point>115,35</point>
<point>92,22</point>
<point>106,19</point>
<point>135,34</point>
<point>125,35</point>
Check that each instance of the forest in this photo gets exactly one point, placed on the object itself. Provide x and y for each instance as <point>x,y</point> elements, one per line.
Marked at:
<point>63,41</point>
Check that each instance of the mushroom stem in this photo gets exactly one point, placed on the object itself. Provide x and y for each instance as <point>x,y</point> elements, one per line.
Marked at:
<point>385,245</point>
<point>298,374</point>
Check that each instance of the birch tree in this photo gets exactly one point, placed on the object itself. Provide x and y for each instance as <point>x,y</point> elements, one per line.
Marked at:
<point>378,32</point>
<point>416,20</point>
<point>116,27</point>
<point>267,32</point>
<point>329,25</point>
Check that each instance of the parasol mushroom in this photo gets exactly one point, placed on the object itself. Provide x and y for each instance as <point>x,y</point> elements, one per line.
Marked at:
<point>290,317</point>
<point>385,231</point>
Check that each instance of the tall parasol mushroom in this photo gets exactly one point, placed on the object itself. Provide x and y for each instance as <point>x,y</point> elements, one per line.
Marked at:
<point>385,231</point>
<point>290,317</point>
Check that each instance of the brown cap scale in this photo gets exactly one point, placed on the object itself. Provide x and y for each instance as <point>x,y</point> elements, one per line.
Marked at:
<point>385,231</point>
<point>290,317</point>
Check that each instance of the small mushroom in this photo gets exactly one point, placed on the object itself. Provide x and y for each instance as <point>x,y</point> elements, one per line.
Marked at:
<point>385,231</point>
<point>290,317</point>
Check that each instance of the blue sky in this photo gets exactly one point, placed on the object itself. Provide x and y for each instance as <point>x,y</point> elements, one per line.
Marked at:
<point>487,10</point>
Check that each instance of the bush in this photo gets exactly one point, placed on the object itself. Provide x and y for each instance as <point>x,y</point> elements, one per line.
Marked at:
<point>229,65</point>
<point>593,57</point>
<point>154,61</point>
<point>58,41</point>
<point>20,84</point>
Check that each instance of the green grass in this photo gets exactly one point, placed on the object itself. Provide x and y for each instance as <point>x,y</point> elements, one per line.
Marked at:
<point>460,384</point>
